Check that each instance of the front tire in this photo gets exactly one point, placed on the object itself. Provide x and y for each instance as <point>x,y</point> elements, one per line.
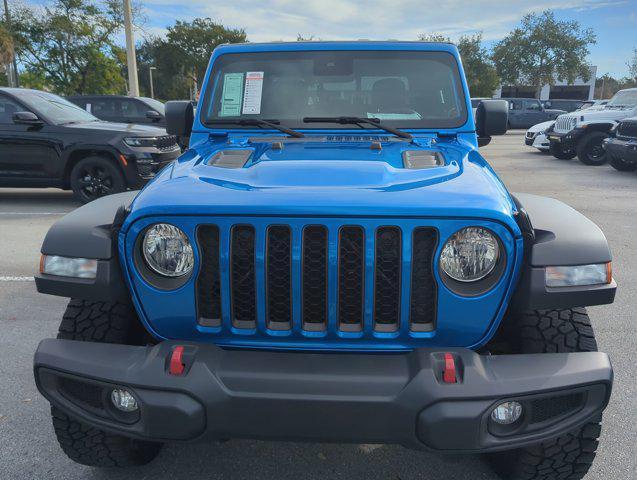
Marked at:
<point>569,456</point>
<point>560,153</point>
<point>94,177</point>
<point>102,322</point>
<point>620,164</point>
<point>590,150</point>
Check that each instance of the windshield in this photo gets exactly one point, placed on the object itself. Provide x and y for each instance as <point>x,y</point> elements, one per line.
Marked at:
<point>627,98</point>
<point>402,89</point>
<point>154,104</point>
<point>55,109</point>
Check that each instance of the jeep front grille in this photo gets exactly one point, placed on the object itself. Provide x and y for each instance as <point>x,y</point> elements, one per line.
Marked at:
<point>565,124</point>
<point>363,267</point>
<point>627,130</point>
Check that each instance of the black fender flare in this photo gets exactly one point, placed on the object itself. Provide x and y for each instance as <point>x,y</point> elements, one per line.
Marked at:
<point>89,232</point>
<point>558,235</point>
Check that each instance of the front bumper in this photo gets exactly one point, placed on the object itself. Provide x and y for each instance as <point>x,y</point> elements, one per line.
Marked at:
<point>624,149</point>
<point>366,398</point>
<point>567,140</point>
<point>143,164</point>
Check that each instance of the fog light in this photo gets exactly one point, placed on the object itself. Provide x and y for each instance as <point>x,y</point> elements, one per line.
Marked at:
<point>123,400</point>
<point>507,413</point>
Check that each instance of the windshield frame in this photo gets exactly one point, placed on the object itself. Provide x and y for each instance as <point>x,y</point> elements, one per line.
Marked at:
<point>25,97</point>
<point>218,61</point>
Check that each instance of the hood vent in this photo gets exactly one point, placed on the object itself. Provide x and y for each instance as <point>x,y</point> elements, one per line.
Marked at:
<point>420,159</point>
<point>230,158</point>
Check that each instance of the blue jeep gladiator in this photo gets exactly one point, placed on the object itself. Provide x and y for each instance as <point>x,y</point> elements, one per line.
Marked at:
<point>331,260</point>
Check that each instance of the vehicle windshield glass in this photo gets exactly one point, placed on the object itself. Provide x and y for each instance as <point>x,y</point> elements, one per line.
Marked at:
<point>55,109</point>
<point>154,104</point>
<point>627,98</point>
<point>402,89</point>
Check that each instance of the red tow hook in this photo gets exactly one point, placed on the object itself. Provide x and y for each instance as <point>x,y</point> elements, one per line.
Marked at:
<point>449,372</point>
<point>177,366</point>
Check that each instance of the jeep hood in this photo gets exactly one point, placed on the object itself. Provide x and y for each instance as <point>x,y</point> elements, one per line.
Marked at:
<point>329,179</point>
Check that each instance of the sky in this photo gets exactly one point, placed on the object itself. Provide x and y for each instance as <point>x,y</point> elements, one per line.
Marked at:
<point>613,21</point>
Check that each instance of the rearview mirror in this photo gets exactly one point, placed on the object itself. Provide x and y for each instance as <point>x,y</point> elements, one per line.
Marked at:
<point>179,117</point>
<point>492,118</point>
<point>153,115</point>
<point>26,118</point>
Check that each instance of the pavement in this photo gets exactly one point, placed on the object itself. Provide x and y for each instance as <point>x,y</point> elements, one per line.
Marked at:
<point>28,449</point>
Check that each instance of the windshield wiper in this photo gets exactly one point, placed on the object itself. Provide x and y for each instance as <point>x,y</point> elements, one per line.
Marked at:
<point>357,121</point>
<point>259,123</point>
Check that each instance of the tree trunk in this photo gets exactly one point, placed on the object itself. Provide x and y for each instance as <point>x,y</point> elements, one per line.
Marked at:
<point>538,91</point>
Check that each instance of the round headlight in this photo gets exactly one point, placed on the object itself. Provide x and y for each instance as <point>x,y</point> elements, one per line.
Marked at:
<point>470,254</point>
<point>167,250</point>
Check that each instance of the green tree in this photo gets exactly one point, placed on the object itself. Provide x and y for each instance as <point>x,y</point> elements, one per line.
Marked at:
<point>632,66</point>
<point>542,50</point>
<point>182,57</point>
<point>481,74</point>
<point>70,46</point>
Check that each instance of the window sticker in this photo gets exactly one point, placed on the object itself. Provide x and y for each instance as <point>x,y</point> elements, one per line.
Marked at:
<point>88,107</point>
<point>252,93</point>
<point>231,95</point>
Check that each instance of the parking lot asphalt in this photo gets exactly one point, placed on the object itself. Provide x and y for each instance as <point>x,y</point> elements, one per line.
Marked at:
<point>28,449</point>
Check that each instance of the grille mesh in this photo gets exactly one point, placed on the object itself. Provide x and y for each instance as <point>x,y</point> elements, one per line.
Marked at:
<point>242,277</point>
<point>351,267</point>
<point>314,261</point>
<point>279,277</point>
<point>423,284</point>
<point>627,129</point>
<point>547,408</point>
<point>209,282</point>
<point>387,279</point>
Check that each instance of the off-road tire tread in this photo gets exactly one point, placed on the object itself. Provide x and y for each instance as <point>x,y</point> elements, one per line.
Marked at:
<point>582,147</point>
<point>103,322</point>
<point>569,456</point>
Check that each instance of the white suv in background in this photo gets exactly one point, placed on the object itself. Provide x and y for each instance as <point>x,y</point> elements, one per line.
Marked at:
<point>583,132</point>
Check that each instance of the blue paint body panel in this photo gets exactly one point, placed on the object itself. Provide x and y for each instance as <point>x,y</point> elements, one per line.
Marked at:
<point>332,182</point>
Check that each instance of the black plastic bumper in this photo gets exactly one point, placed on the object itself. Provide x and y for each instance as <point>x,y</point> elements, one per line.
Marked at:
<point>567,140</point>
<point>624,149</point>
<point>370,398</point>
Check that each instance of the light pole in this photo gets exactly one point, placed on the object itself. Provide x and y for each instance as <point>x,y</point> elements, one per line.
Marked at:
<point>133,83</point>
<point>13,79</point>
<point>150,74</point>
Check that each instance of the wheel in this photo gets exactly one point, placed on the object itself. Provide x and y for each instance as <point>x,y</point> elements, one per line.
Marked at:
<point>620,164</point>
<point>590,150</point>
<point>94,177</point>
<point>568,456</point>
<point>105,323</point>
<point>560,153</point>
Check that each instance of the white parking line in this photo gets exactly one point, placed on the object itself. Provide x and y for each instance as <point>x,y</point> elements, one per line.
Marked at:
<point>16,279</point>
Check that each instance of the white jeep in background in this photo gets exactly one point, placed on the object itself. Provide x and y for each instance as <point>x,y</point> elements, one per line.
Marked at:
<point>582,133</point>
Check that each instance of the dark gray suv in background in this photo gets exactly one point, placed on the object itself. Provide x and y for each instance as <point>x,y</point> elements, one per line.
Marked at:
<point>122,109</point>
<point>526,112</point>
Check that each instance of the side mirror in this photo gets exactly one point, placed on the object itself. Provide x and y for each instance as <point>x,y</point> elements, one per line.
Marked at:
<point>153,115</point>
<point>492,118</point>
<point>179,117</point>
<point>26,118</point>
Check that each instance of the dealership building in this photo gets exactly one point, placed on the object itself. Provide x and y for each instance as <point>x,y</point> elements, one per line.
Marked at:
<point>578,90</point>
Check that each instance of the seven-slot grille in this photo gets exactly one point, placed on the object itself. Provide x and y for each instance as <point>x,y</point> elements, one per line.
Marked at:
<point>166,142</point>
<point>627,129</point>
<point>356,252</point>
<point>565,124</point>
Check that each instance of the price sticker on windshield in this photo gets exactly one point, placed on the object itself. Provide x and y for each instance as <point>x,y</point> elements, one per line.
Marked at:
<point>252,93</point>
<point>231,95</point>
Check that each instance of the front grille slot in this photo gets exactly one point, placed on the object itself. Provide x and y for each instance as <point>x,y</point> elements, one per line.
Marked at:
<point>387,279</point>
<point>314,278</point>
<point>423,283</point>
<point>351,278</point>
<point>242,277</point>
<point>209,281</point>
<point>279,278</point>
